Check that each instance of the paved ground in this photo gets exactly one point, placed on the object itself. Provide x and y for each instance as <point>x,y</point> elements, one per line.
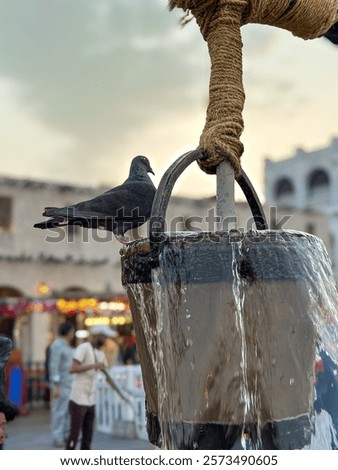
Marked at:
<point>32,432</point>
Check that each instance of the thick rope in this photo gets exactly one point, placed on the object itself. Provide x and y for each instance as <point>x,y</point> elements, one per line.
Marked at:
<point>220,22</point>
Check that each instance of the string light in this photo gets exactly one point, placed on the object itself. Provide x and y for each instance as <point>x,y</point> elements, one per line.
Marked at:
<point>88,306</point>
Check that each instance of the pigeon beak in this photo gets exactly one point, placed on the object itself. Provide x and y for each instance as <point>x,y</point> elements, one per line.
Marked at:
<point>151,171</point>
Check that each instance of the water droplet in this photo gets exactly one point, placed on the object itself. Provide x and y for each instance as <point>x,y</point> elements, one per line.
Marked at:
<point>292,381</point>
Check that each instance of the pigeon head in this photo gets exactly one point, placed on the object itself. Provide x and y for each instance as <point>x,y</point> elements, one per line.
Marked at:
<point>140,165</point>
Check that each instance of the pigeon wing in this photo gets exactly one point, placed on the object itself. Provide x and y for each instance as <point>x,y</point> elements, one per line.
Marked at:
<point>128,205</point>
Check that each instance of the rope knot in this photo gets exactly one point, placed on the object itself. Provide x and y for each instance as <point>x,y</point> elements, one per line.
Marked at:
<point>220,22</point>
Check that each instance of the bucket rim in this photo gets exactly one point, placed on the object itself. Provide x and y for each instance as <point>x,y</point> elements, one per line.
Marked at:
<point>146,245</point>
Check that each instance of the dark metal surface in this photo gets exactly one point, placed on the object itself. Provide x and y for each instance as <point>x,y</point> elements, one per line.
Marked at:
<point>163,193</point>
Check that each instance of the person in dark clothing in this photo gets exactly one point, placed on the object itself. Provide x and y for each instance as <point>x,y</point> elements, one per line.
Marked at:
<point>6,346</point>
<point>8,410</point>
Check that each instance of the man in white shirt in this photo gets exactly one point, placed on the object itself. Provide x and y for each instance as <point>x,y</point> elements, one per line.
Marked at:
<point>88,359</point>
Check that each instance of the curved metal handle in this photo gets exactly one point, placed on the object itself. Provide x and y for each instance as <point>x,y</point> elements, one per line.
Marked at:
<point>164,190</point>
<point>253,201</point>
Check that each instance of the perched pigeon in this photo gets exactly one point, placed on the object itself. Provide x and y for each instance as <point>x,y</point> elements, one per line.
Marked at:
<point>118,210</point>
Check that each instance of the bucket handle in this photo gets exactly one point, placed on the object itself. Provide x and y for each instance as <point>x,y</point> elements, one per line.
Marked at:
<point>166,185</point>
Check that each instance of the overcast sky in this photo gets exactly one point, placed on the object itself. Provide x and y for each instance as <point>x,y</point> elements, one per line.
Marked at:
<point>85,85</point>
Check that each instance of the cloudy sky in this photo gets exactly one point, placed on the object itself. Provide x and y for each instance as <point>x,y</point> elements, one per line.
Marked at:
<point>85,85</point>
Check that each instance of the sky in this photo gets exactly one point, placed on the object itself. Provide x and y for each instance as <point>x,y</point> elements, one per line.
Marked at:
<point>85,85</point>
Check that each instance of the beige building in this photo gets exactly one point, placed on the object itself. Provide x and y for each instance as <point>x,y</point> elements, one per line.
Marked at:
<point>306,184</point>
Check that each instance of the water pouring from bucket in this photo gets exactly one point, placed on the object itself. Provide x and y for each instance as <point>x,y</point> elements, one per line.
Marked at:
<point>237,333</point>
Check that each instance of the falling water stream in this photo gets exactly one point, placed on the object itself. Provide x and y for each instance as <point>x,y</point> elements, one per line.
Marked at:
<point>237,337</point>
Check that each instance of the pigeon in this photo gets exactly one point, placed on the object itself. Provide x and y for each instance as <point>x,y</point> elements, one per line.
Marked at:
<point>118,210</point>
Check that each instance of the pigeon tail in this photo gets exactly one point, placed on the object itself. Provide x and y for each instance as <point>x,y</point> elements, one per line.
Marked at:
<point>52,223</point>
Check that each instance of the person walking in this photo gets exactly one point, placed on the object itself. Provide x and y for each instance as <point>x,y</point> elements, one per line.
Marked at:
<point>60,359</point>
<point>87,361</point>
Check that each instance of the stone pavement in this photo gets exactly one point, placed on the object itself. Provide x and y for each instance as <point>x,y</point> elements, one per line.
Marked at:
<point>32,432</point>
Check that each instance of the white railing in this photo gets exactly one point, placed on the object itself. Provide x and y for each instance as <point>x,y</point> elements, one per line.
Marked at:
<point>114,415</point>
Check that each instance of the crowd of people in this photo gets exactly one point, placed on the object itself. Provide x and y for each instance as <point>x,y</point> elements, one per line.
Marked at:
<point>72,373</point>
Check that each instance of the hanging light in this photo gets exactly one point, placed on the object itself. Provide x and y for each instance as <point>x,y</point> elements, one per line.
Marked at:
<point>42,289</point>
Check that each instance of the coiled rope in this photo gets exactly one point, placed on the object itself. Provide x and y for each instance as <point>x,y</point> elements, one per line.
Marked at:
<point>220,22</point>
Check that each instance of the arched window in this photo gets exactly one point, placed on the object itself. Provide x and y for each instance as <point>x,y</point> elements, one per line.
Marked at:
<point>8,309</point>
<point>6,215</point>
<point>318,178</point>
<point>318,187</point>
<point>75,291</point>
<point>8,291</point>
<point>284,188</point>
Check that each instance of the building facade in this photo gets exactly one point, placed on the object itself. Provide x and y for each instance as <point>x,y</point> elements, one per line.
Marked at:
<point>305,185</point>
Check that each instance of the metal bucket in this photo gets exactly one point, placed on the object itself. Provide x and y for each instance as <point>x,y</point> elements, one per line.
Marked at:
<point>230,330</point>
